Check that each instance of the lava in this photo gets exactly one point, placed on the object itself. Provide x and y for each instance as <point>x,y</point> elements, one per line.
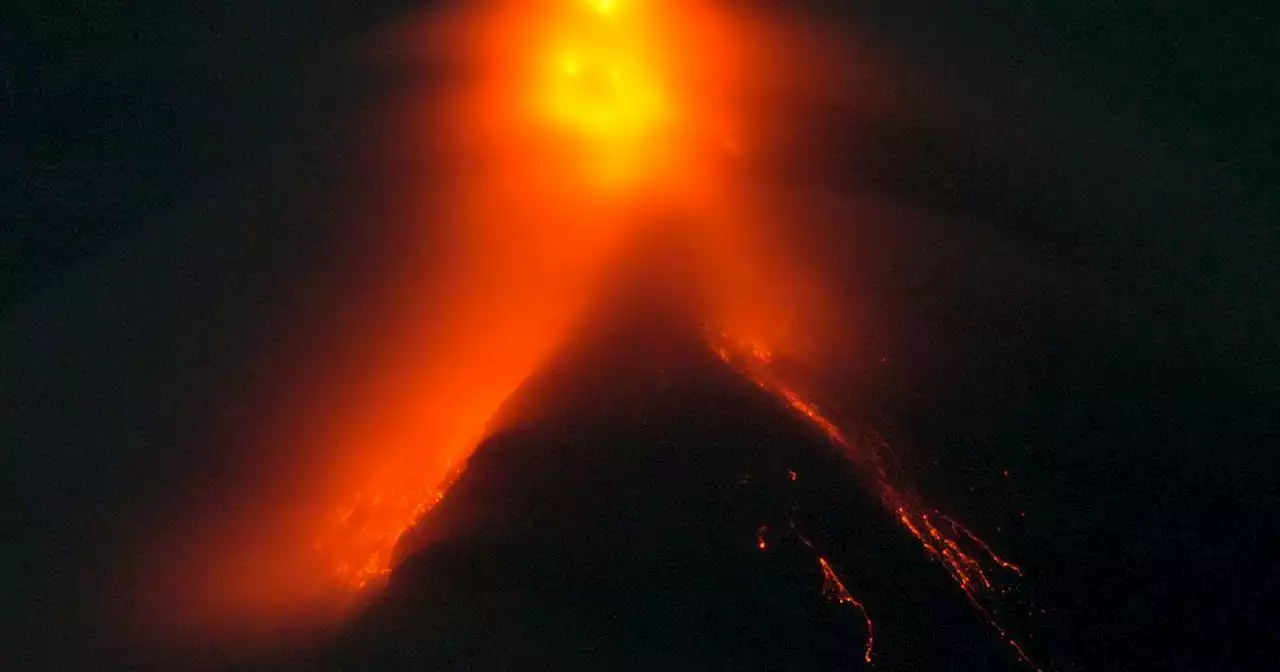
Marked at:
<point>832,587</point>
<point>565,128</point>
<point>970,568</point>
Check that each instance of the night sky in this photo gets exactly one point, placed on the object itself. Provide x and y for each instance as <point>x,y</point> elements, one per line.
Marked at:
<point>1077,283</point>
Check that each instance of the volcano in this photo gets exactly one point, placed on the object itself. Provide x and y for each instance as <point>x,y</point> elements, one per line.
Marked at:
<point>645,505</point>
<point>622,334</point>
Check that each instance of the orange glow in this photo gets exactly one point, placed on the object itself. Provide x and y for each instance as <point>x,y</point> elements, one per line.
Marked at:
<point>566,126</point>
<point>561,128</point>
<point>600,86</point>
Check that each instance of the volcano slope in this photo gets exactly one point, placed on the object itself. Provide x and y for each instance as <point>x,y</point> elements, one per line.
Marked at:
<point>646,506</point>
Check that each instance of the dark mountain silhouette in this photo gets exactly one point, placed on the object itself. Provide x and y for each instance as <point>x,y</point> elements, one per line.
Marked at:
<point>617,527</point>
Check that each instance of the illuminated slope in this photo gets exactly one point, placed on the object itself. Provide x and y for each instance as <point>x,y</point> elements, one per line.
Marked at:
<point>659,509</point>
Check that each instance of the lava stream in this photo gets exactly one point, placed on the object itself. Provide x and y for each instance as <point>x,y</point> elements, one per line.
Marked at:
<point>971,570</point>
<point>832,587</point>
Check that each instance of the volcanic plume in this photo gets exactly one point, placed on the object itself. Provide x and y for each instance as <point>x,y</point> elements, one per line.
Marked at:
<point>607,179</point>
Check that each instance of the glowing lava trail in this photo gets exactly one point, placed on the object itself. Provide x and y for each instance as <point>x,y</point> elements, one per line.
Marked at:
<point>563,129</point>
<point>968,560</point>
<point>832,587</point>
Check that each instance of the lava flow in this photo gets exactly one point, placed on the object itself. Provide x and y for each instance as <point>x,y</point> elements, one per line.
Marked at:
<point>564,129</point>
<point>968,560</point>
<point>832,587</point>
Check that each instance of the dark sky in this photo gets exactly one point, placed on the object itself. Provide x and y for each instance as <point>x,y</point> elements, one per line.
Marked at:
<point>1132,145</point>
